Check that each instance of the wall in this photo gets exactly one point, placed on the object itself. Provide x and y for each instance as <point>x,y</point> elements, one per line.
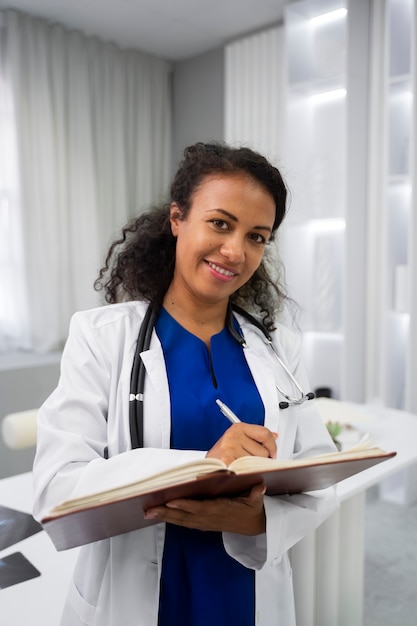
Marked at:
<point>198,101</point>
<point>25,382</point>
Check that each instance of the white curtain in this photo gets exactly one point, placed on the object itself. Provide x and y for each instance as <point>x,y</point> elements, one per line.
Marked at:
<point>254,92</point>
<point>93,148</point>
<point>14,319</point>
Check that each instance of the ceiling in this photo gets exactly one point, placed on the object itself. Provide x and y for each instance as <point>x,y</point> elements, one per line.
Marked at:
<point>173,29</point>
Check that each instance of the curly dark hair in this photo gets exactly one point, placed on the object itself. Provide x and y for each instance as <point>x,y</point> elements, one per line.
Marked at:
<point>140,264</point>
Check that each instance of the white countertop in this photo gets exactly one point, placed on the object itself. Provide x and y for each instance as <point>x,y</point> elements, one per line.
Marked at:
<point>392,430</point>
<point>36,602</point>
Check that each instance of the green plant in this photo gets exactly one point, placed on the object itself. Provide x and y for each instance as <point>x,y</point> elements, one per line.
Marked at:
<point>334,429</point>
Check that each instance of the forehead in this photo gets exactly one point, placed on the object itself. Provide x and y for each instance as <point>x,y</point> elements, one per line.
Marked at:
<point>223,187</point>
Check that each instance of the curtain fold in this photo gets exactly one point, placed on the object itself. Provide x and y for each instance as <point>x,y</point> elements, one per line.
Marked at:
<point>93,146</point>
<point>14,320</point>
<point>254,92</point>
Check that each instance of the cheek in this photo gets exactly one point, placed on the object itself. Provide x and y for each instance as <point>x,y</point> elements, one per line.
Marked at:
<point>256,259</point>
<point>195,243</point>
<point>181,250</point>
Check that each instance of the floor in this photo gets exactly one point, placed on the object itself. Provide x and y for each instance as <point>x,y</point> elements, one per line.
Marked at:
<point>390,563</point>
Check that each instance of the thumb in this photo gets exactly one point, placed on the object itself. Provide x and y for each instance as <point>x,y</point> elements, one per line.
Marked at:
<point>257,492</point>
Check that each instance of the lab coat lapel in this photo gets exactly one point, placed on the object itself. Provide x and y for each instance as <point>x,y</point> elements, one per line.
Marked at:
<point>288,418</point>
<point>266,372</point>
<point>157,407</point>
<point>260,366</point>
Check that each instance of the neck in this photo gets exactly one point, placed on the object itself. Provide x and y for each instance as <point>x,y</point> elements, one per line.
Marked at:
<point>201,318</point>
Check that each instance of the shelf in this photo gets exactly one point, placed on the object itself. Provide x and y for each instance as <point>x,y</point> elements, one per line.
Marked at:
<point>400,20</point>
<point>400,82</point>
<point>399,180</point>
<point>316,35</point>
<point>312,335</point>
<point>317,121</point>
<point>318,87</point>
<point>397,316</point>
<point>399,122</point>
<point>396,333</point>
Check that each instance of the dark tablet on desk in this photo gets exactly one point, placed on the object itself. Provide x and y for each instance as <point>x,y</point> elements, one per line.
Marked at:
<point>15,526</point>
<point>14,569</point>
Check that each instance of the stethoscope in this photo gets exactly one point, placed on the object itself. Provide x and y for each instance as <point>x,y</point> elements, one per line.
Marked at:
<point>137,378</point>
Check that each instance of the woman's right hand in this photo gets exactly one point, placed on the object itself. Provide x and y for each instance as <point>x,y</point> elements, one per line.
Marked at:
<point>244,440</point>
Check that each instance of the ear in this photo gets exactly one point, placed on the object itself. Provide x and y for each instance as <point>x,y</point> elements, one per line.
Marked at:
<point>175,218</point>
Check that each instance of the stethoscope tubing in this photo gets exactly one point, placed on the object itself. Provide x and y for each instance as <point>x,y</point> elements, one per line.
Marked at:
<point>137,377</point>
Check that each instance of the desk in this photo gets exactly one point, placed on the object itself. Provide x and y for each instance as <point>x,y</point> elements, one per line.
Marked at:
<point>328,564</point>
<point>36,602</point>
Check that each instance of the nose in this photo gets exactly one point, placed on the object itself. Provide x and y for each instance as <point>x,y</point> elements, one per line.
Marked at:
<point>233,249</point>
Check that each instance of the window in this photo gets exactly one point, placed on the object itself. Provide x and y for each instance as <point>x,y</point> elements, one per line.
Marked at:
<point>13,312</point>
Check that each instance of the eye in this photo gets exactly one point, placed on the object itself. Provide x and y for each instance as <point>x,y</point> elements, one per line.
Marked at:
<point>257,238</point>
<point>220,224</point>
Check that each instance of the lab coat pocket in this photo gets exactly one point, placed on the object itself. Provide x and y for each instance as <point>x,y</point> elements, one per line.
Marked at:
<point>83,602</point>
<point>274,594</point>
<point>84,611</point>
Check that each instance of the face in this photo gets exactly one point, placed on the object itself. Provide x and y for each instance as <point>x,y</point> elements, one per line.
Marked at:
<point>221,242</point>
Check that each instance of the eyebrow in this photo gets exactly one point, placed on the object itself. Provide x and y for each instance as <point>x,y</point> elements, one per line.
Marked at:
<point>234,219</point>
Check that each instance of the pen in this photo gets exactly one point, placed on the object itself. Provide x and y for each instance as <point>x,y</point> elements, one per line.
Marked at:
<point>228,412</point>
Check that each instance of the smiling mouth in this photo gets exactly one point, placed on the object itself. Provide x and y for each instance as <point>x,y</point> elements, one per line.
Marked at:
<point>221,270</point>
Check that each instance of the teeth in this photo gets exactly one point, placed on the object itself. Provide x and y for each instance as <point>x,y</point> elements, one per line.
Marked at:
<point>221,270</point>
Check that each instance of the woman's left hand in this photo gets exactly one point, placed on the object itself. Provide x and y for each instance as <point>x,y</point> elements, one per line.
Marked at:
<point>244,515</point>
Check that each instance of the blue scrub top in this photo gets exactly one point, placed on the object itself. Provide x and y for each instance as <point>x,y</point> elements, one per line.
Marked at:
<point>200,584</point>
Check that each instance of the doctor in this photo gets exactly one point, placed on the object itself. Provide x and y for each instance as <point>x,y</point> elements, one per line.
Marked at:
<point>222,561</point>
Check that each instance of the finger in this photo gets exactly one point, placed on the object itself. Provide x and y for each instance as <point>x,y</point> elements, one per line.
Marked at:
<point>251,447</point>
<point>244,440</point>
<point>243,515</point>
<point>190,519</point>
<point>253,432</point>
<point>257,492</point>
<point>152,514</point>
<point>188,506</point>
<point>185,506</point>
<point>265,442</point>
<point>170,516</point>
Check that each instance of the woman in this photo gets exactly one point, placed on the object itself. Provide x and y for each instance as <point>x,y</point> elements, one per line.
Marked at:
<point>221,561</point>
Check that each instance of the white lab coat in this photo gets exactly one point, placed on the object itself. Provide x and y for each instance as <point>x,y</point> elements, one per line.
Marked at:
<point>116,581</point>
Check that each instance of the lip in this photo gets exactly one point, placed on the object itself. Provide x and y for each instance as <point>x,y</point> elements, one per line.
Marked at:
<point>221,272</point>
